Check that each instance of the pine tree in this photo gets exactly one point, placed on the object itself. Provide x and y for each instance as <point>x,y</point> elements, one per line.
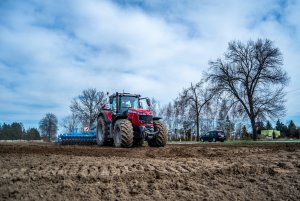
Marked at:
<point>33,134</point>
<point>278,125</point>
<point>269,126</point>
<point>244,132</point>
<point>292,129</point>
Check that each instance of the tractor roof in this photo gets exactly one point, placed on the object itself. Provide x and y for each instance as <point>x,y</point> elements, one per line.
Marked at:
<point>125,94</point>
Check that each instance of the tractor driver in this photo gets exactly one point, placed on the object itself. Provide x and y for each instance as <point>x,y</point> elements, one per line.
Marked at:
<point>129,102</point>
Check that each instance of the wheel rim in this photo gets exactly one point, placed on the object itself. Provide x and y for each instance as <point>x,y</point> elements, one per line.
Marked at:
<point>99,134</point>
<point>214,139</point>
<point>117,137</point>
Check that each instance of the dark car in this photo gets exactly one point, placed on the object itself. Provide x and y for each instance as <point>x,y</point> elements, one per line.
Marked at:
<point>213,136</point>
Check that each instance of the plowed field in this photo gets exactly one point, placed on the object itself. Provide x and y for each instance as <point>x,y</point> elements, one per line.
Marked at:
<point>31,171</point>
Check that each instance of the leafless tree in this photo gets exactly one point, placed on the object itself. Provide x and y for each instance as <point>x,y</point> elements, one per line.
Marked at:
<point>87,106</point>
<point>195,98</point>
<point>48,126</point>
<point>170,115</point>
<point>167,112</point>
<point>182,121</point>
<point>70,123</point>
<point>155,106</point>
<point>252,75</point>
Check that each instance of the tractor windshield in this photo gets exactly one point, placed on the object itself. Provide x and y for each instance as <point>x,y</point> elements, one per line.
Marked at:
<point>129,102</point>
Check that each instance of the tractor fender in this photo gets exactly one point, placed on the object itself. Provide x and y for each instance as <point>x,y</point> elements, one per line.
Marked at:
<point>103,113</point>
<point>156,118</point>
<point>119,117</point>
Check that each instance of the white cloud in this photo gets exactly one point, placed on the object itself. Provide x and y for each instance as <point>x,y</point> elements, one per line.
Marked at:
<point>51,51</point>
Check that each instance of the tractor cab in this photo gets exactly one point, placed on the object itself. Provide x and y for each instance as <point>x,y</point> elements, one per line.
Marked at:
<point>121,102</point>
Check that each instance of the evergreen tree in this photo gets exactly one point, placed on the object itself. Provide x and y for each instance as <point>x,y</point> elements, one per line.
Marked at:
<point>297,134</point>
<point>15,131</point>
<point>279,125</point>
<point>292,129</point>
<point>33,134</point>
<point>282,128</point>
<point>5,132</point>
<point>269,126</point>
<point>244,132</point>
<point>0,132</point>
<point>284,131</point>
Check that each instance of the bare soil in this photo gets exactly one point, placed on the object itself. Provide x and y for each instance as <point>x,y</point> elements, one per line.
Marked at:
<point>36,171</point>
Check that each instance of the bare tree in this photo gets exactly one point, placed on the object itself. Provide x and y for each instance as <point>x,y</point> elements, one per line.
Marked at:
<point>155,106</point>
<point>48,126</point>
<point>167,113</point>
<point>70,123</point>
<point>88,105</point>
<point>170,115</point>
<point>195,98</point>
<point>252,75</point>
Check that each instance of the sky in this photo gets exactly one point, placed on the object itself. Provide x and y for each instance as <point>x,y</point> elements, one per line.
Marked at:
<point>52,50</point>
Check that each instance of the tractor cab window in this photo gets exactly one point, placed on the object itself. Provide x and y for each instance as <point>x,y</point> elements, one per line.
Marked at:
<point>128,102</point>
<point>143,104</point>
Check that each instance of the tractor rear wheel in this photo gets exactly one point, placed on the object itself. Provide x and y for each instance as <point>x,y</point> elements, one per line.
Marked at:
<point>123,133</point>
<point>162,137</point>
<point>101,132</point>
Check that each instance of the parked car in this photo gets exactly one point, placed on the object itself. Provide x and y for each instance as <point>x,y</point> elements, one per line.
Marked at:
<point>213,136</point>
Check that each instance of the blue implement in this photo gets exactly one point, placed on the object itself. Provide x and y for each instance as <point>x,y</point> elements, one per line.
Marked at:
<point>76,137</point>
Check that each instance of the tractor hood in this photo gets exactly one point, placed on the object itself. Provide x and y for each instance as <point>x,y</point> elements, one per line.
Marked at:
<point>139,111</point>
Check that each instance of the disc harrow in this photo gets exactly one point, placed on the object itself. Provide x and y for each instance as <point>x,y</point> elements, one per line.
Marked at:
<point>75,137</point>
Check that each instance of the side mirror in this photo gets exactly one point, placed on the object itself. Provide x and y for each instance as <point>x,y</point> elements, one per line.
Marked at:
<point>148,102</point>
<point>110,100</point>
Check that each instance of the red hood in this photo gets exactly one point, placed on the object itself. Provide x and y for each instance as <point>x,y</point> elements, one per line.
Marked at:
<point>139,110</point>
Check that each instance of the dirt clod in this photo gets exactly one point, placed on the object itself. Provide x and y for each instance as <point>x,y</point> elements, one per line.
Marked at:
<point>31,171</point>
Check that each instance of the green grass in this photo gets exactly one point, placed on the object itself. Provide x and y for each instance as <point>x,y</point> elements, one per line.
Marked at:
<point>233,142</point>
<point>261,141</point>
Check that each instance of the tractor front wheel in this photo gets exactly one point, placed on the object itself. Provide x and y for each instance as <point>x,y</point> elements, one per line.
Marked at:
<point>162,136</point>
<point>123,133</point>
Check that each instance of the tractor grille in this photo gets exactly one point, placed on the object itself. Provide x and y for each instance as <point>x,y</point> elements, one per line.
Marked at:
<point>146,119</point>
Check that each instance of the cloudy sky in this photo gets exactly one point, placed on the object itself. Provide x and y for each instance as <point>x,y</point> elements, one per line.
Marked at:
<point>51,50</point>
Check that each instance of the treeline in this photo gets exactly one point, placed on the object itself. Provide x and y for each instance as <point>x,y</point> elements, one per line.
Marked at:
<point>290,130</point>
<point>16,131</point>
<point>239,90</point>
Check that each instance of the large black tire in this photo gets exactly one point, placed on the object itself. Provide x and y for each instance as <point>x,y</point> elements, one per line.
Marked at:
<point>101,130</point>
<point>123,133</point>
<point>161,137</point>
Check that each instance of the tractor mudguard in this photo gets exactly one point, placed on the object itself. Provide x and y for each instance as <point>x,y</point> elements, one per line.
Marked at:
<point>106,114</point>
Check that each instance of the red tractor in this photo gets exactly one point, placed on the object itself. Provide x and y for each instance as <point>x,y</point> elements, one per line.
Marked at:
<point>126,123</point>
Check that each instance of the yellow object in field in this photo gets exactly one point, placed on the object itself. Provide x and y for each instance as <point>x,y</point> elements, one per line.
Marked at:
<point>270,133</point>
